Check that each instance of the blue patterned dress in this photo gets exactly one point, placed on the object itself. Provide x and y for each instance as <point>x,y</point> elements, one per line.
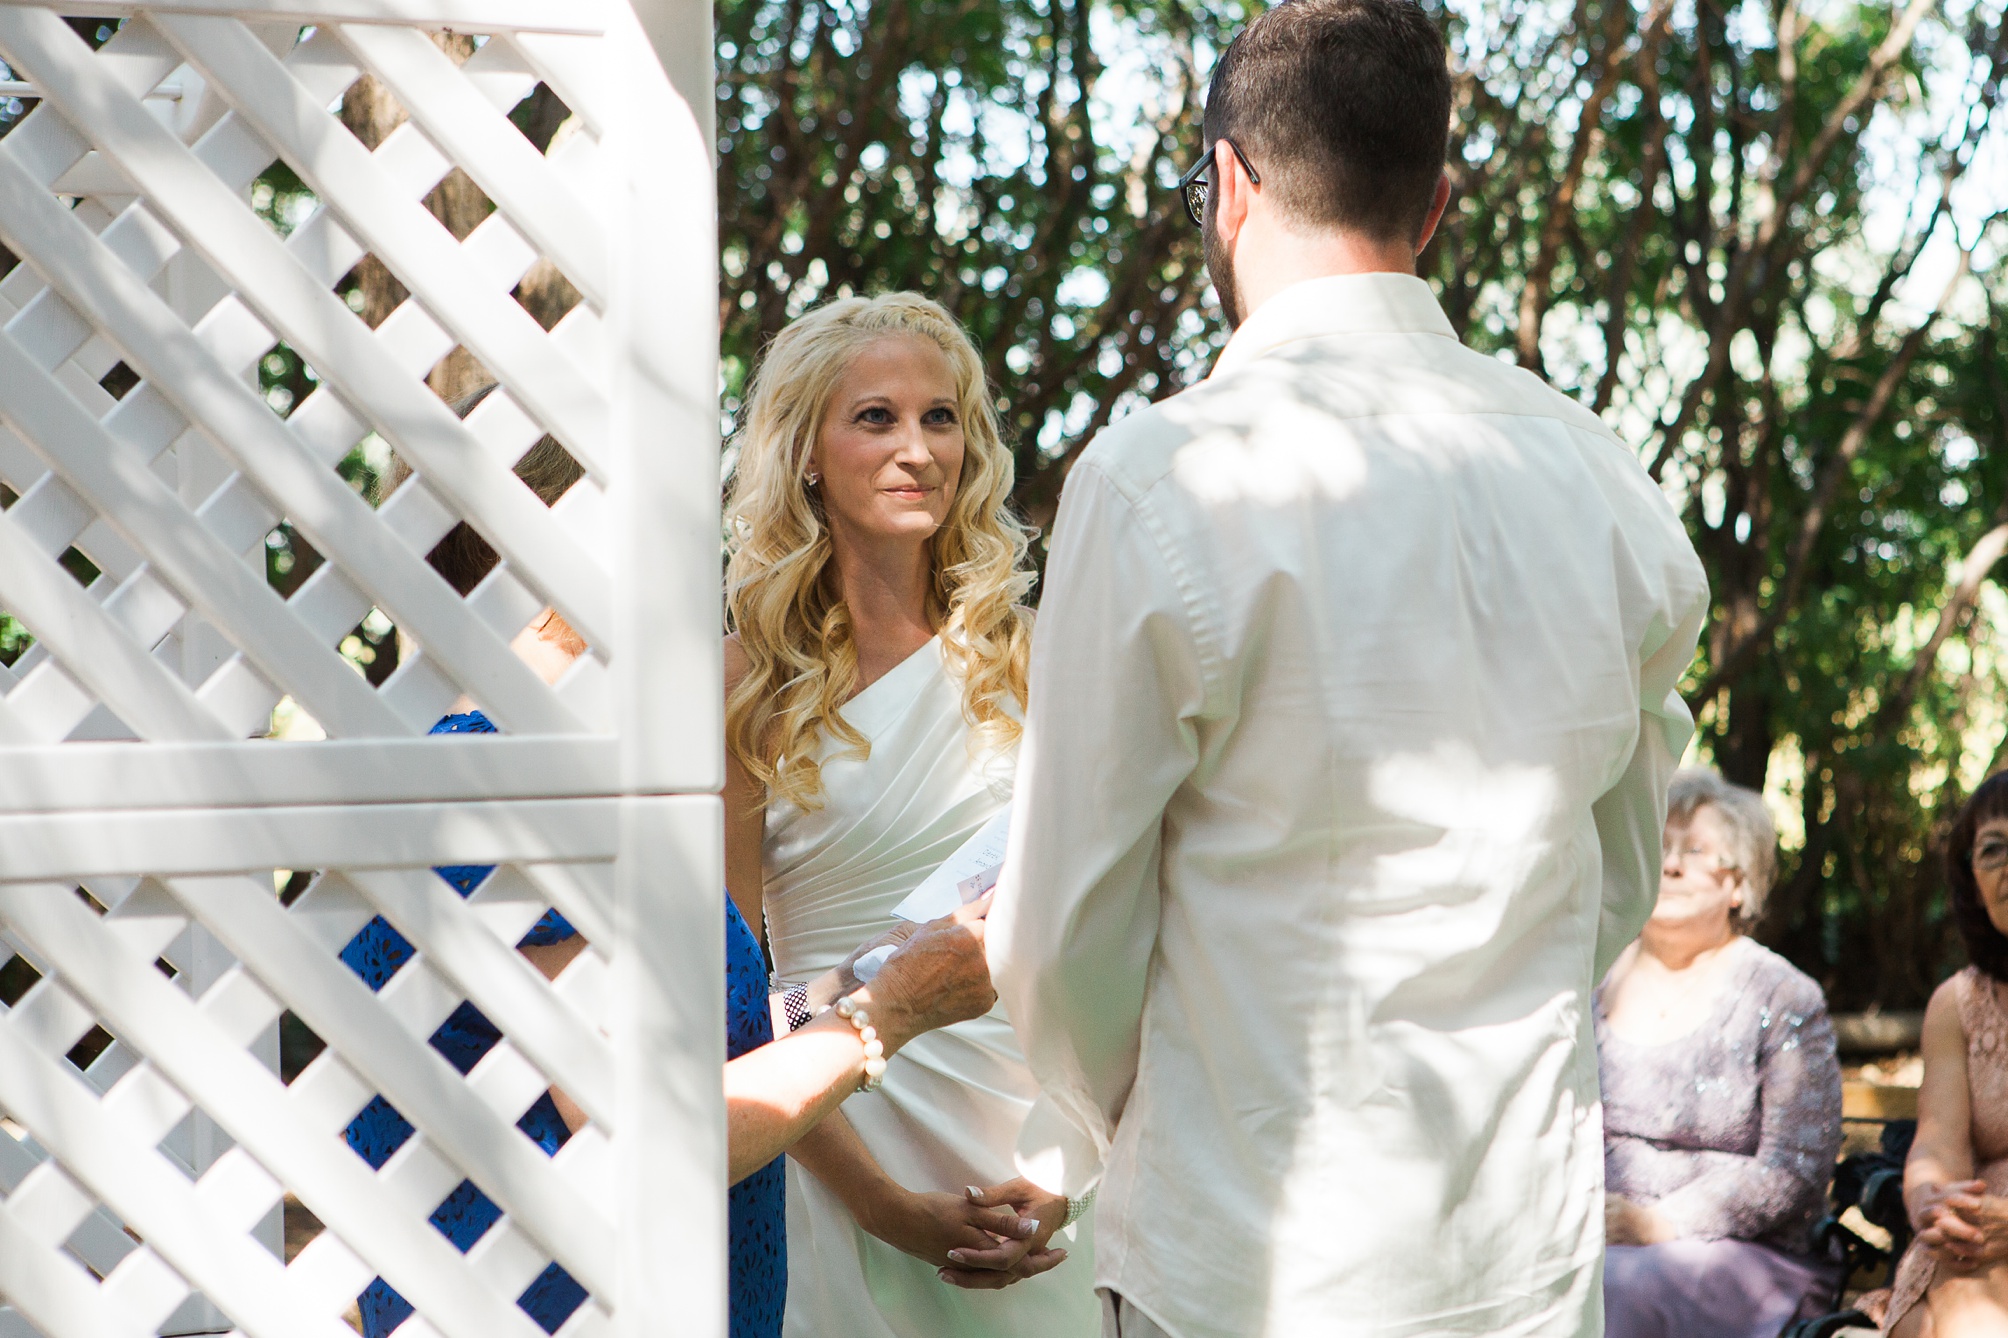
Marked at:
<point>758,1265</point>
<point>756,1207</point>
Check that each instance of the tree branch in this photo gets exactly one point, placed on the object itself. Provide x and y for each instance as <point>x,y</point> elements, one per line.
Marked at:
<point>1737,290</point>
<point>1973,571</point>
<point>1535,297</point>
<point>1618,314</point>
<point>1743,652</point>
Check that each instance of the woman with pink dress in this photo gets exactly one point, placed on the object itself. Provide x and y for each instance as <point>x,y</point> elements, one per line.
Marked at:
<point>1953,1281</point>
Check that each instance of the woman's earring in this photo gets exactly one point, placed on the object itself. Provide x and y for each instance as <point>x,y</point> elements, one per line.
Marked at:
<point>814,478</point>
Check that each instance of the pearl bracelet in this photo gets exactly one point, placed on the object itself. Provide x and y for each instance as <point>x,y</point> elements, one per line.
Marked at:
<point>848,1010</point>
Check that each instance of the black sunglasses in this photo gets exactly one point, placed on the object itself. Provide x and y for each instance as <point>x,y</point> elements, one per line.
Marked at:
<point>1194,186</point>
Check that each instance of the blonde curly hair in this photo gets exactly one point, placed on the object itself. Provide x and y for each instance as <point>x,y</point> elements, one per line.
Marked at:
<point>782,595</point>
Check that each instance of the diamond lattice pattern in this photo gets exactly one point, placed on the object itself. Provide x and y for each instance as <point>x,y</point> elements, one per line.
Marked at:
<point>448,1141</point>
<point>153,1136</point>
<point>130,212</point>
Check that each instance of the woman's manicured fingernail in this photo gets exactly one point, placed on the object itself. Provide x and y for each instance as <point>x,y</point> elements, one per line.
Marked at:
<point>956,1256</point>
<point>1026,1226</point>
<point>972,1191</point>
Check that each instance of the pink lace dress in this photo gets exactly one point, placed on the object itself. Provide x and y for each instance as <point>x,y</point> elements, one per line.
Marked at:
<point>1986,1023</point>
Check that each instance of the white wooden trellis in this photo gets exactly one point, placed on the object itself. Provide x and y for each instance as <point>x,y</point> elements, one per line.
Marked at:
<point>142,818</point>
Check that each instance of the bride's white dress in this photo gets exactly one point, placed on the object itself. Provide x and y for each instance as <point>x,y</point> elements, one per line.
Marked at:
<point>953,1100</point>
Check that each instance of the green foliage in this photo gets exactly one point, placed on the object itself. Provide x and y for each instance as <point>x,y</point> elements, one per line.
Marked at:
<point>970,151</point>
<point>14,639</point>
<point>1742,272</point>
<point>1731,243</point>
<point>281,199</point>
<point>284,201</point>
<point>1732,249</point>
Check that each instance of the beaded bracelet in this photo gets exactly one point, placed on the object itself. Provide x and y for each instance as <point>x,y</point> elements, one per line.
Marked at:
<point>1078,1208</point>
<point>848,1010</point>
<point>795,1005</point>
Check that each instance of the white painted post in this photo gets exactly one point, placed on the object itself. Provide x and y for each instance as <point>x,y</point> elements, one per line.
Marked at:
<point>142,815</point>
<point>666,426</point>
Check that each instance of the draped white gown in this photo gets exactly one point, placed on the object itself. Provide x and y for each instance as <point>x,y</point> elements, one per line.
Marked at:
<point>949,1112</point>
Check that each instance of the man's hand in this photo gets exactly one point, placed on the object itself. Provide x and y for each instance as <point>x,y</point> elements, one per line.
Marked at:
<point>1011,1260</point>
<point>938,976</point>
<point>1629,1223</point>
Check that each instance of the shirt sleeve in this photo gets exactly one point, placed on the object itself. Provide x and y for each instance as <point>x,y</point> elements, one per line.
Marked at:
<point>1631,815</point>
<point>1778,1191</point>
<point>1111,732</point>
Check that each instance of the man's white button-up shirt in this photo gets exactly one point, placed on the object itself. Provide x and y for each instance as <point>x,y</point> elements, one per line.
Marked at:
<point>1353,707</point>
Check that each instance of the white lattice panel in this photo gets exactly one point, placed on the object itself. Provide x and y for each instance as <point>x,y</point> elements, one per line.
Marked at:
<point>151,1147</point>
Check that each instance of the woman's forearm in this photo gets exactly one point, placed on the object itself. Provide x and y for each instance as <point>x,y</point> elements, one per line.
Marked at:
<point>779,1092</point>
<point>822,992</point>
<point>1928,1171</point>
<point>835,1155</point>
<point>1941,1152</point>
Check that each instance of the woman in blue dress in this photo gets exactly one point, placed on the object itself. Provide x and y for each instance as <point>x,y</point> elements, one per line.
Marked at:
<point>774,1097</point>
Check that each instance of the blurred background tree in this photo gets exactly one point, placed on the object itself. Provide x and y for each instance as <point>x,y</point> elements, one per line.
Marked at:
<point>1760,238</point>
<point>1009,157</point>
<point>1745,235</point>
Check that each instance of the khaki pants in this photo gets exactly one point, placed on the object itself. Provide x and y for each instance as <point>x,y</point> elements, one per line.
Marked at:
<point>1120,1319</point>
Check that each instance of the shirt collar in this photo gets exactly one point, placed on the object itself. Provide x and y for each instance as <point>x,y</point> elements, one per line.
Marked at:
<point>1336,304</point>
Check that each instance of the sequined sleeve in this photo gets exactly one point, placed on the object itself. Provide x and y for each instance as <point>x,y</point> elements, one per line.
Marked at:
<point>1779,1190</point>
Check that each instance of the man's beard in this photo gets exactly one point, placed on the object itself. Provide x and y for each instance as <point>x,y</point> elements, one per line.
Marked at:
<point>1220,268</point>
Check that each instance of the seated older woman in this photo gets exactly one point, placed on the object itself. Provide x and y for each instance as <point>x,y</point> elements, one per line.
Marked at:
<point>1722,1094</point>
<point>1953,1281</point>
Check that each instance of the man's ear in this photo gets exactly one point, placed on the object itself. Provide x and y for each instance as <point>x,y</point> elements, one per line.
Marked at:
<point>1232,192</point>
<point>1437,204</point>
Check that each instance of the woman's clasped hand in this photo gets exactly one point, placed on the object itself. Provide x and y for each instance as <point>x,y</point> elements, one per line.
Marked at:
<point>938,1226</point>
<point>980,1238</point>
<point>1011,1258</point>
<point>1962,1223</point>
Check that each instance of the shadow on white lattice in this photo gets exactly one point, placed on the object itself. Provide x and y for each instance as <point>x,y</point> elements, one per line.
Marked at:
<point>152,1134</point>
<point>149,291</point>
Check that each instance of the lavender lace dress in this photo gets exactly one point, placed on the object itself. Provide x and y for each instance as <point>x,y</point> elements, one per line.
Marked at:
<point>1729,1132</point>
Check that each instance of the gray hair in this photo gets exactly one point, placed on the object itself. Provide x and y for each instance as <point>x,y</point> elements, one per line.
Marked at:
<point>1753,839</point>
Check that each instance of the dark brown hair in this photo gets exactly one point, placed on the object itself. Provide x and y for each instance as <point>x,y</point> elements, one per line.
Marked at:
<point>1343,106</point>
<point>1986,946</point>
<point>463,557</point>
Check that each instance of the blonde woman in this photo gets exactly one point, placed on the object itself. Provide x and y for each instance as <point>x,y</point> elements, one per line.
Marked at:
<point>875,687</point>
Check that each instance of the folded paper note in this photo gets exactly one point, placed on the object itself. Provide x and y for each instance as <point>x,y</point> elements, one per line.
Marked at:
<point>964,876</point>
<point>866,968</point>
